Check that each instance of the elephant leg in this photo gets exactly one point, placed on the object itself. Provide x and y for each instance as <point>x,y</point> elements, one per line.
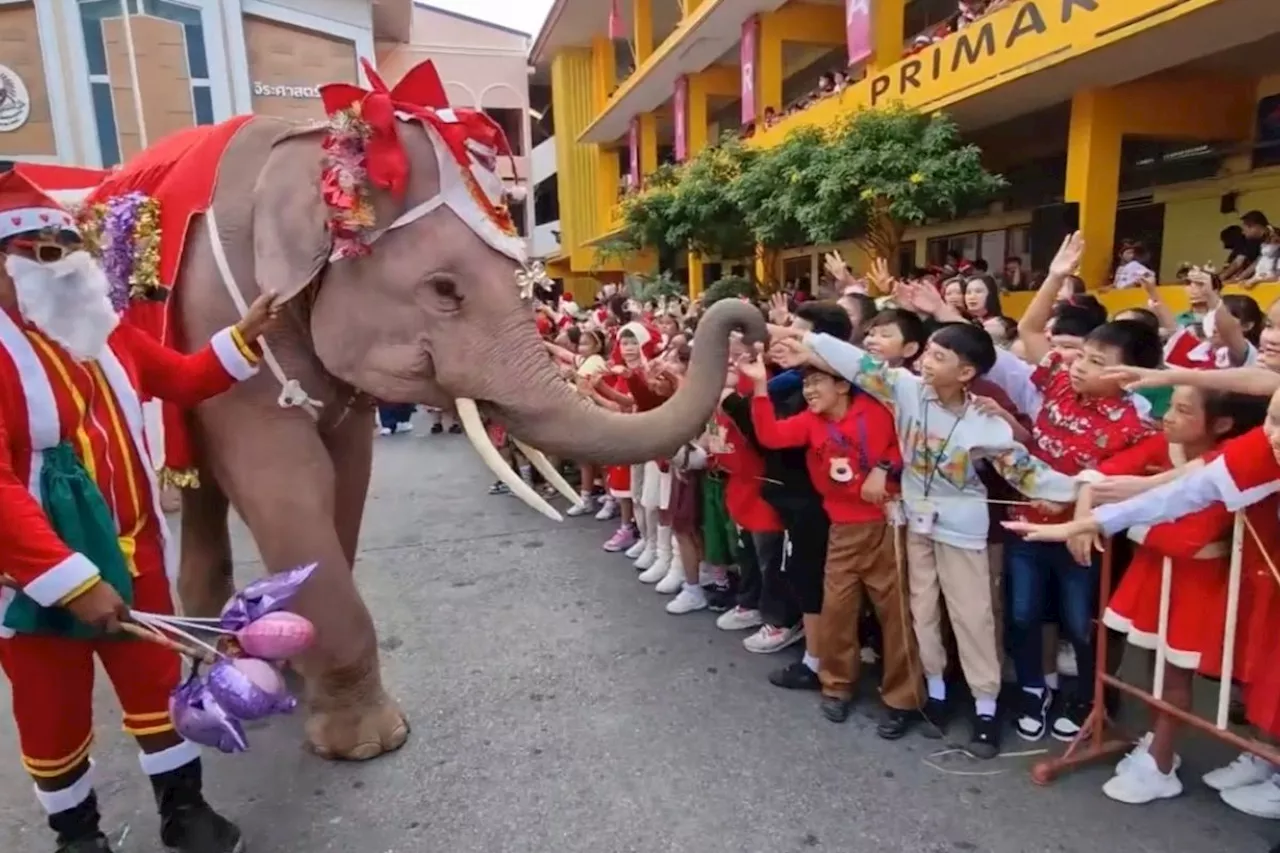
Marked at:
<point>351,449</point>
<point>279,477</point>
<point>205,577</point>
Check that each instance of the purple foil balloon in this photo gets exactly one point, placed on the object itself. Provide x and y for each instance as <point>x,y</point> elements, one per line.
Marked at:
<point>249,689</point>
<point>199,718</point>
<point>262,597</point>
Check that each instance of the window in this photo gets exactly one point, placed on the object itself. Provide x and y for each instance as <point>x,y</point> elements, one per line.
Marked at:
<point>966,244</point>
<point>511,120</point>
<point>517,210</point>
<point>546,201</point>
<point>906,258</point>
<point>93,15</point>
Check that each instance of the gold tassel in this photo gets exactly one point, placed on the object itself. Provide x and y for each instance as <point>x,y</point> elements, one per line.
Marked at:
<point>186,479</point>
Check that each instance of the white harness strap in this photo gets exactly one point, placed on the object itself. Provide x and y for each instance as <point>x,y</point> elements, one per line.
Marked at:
<point>292,394</point>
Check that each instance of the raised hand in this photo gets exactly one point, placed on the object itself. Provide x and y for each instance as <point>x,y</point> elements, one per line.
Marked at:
<point>835,267</point>
<point>1067,261</point>
<point>260,317</point>
<point>881,279</point>
<point>779,313</point>
<point>1135,378</point>
<point>1052,532</point>
<point>789,352</point>
<point>752,366</point>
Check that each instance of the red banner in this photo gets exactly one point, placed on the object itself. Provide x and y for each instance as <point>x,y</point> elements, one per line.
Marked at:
<point>857,29</point>
<point>615,20</point>
<point>682,119</point>
<point>747,59</point>
<point>633,143</point>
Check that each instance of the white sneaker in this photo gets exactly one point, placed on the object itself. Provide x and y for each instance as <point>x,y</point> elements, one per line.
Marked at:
<point>1142,747</point>
<point>648,553</point>
<point>691,598</point>
<point>1067,660</point>
<point>739,619</point>
<point>868,656</point>
<point>404,426</point>
<point>636,551</point>
<point>770,639</point>
<point>586,504</point>
<point>1248,769</point>
<point>674,581</point>
<point>1142,782</point>
<point>1260,800</point>
<point>657,570</point>
<point>608,510</point>
<point>384,431</point>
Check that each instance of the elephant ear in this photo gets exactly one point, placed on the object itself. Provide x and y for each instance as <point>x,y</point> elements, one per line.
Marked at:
<point>290,220</point>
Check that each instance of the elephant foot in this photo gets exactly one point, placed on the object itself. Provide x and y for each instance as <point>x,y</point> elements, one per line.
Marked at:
<point>204,594</point>
<point>359,732</point>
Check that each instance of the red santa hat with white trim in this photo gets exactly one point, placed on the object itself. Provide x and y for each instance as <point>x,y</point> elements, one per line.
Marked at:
<point>26,209</point>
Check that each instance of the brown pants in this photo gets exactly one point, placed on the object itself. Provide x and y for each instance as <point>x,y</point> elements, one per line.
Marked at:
<point>861,557</point>
<point>962,578</point>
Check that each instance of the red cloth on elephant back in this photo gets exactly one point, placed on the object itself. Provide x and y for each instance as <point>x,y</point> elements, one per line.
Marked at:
<point>179,172</point>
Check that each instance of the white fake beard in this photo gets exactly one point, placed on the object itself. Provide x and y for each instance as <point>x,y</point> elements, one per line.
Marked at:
<point>67,301</point>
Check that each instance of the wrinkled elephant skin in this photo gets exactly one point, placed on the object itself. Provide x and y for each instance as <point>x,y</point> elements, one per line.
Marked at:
<point>433,315</point>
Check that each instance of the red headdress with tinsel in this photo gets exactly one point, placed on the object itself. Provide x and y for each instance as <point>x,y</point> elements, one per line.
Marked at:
<point>364,152</point>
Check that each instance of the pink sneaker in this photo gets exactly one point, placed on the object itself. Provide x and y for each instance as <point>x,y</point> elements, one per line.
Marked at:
<point>622,539</point>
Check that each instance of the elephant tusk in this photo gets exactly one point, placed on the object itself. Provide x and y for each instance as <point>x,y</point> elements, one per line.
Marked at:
<point>469,415</point>
<point>539,460</point>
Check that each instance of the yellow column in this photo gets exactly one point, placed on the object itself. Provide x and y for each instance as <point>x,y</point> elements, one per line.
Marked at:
<point>888,34</point>
<point>769,67</point>
<point>604,71</point>
<point>577,166</point>
<point>648,144</point>
<point>608,175</point>
<point>1093,176</point>
<point>689,7</point>
<point>696,127</point>
<point>643,29</point>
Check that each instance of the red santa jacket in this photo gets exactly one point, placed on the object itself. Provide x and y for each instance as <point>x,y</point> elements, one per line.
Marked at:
<point>46,398</point>
<point>743,466</point>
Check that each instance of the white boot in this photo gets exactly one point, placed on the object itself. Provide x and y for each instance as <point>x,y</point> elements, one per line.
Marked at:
<point>646,536</point>
<point>674,580</point>
<point>662,558</point>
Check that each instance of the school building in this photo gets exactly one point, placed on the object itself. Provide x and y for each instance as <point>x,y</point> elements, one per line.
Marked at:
<point>1150,120</point>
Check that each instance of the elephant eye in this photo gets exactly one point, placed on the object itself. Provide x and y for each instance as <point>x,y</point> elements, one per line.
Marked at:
<point>446,289</point>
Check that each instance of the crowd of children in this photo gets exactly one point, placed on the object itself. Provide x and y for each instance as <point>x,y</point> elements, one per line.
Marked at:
<point>892,481</point>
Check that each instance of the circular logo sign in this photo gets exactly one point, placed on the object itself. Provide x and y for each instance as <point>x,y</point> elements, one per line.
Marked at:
<point>15,101</point>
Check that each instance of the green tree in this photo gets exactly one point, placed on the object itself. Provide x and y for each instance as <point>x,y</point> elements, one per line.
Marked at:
<point>687,207</point>
<point>884,170</point>
<point>731,286</point>
<point>653,288</point>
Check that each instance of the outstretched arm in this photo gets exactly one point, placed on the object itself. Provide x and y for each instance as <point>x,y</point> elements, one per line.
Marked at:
<point>186,380</point>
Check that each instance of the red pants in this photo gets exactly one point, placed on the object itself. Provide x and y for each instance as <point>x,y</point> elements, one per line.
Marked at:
<point>52,683</point>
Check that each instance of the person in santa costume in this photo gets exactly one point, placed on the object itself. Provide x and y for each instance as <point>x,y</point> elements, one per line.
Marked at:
<point>84,536</point>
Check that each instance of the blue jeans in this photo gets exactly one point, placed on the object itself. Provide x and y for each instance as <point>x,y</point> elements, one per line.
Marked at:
<point>391,416</point>
<point>1030,568</point>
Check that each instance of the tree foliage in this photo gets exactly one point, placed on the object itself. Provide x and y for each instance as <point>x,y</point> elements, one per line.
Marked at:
<point>884,170</point>
<point>652,288</point>
<point>869,178</point>
<point>731,286</point>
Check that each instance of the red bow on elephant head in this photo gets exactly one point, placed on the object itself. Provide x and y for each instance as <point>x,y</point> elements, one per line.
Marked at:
<point>419,90</point>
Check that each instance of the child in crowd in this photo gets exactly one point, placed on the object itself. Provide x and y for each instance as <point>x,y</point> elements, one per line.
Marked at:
<point>1244,477</point>
<point>942,435</point>
<point>586,362</point>
<point>651,383</point>
<point>853,460</point>
<point>788,488</point>
<point>760,533</point>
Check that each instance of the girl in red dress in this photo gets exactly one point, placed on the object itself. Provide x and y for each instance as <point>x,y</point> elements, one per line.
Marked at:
<point>1197,548</point>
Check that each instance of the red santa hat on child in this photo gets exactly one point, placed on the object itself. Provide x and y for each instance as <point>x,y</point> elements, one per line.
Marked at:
<point>26,209</point>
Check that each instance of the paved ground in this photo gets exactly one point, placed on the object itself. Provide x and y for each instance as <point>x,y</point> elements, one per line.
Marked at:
<point>558,709</point>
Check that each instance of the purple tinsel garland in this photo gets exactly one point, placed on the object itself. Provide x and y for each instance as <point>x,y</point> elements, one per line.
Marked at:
<point>118,249</point>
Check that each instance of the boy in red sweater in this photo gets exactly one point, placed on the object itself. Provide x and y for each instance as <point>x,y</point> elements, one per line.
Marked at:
<point>852,454</point>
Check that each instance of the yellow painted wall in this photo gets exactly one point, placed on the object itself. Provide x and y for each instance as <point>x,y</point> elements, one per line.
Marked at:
<point>576,165</point>
<point>1176,297</point>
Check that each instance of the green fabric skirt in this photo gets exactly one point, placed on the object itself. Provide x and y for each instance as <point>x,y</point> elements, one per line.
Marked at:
<point>79,514</point>
<point>719,534</point>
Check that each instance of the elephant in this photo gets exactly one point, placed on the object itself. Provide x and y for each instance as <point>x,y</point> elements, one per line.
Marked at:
<point>433,315</point>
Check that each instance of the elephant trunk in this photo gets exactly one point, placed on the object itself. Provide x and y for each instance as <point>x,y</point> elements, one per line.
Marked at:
<point>547,414</point>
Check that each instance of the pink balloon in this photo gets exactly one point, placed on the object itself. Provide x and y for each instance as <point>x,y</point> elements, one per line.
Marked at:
<point>277,636</point>
<point>263,675</point>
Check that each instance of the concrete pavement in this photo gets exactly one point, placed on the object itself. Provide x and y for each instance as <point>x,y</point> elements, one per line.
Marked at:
<point>558,709</point>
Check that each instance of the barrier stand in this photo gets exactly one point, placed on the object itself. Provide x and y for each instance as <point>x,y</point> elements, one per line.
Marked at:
<point>1097,740</point>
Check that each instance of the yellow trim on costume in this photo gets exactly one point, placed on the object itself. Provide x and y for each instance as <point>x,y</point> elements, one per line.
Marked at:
<point>78,591</point>
<point>82,435</point>
<point>147,718</point>
<point>127,450</point>
<point>245,350</point>
<point>150,730</point>
<point>129,548</point>
<point>46,769</point>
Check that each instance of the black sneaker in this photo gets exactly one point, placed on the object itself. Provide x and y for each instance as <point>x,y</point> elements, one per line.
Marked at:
<point>797,676</point>
<point>896,723</point>
<point>437,428</point>
<point>187,823</point>
<point>936,714</point>
<point>1033,714</point>
<point>719,597</point>
<point>1069,718</point>
<point>499,488</point>
<point>985,742</point>
<point>77,828</point>
<point>455,429</point>
<point>835,709</point>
